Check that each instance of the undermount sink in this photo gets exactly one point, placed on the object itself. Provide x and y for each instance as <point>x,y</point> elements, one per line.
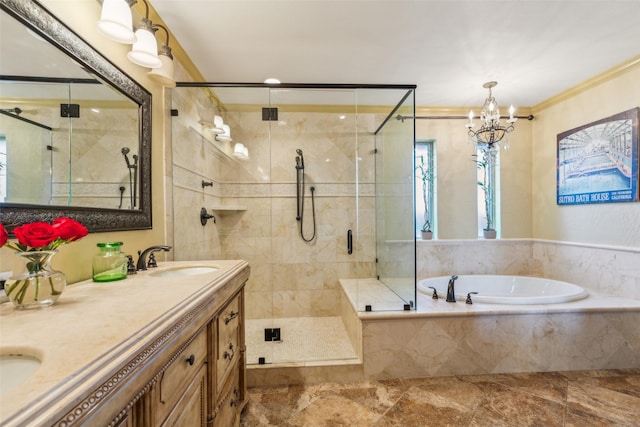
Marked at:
<point>16,369</point>
<point>184,271</point>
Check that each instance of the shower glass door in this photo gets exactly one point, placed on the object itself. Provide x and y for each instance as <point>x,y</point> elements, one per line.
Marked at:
<point>313,155</point>
<point>395,213</point>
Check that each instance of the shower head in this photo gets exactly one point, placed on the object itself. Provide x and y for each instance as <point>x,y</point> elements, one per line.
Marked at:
<point>125,151</point>
<point>299,159</point>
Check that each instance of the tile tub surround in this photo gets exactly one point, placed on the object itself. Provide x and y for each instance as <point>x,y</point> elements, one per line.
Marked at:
<point>613,270</point>
<point>440,338</point>
<point>97,328</point>
<point>580,398</point>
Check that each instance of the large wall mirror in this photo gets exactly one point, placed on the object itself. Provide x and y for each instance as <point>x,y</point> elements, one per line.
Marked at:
<point>75,130</point>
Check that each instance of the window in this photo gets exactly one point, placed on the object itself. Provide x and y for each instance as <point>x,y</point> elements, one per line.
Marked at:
<point>425,187</point>
<point>488,181</point>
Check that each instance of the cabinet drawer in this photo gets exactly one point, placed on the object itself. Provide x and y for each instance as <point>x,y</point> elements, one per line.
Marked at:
<point>179,374</point>
<point>228,350</point>
<point>227,408</point>
<point>228,320</point>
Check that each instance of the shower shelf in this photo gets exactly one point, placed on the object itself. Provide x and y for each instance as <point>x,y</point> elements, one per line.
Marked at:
<point>228,209</point>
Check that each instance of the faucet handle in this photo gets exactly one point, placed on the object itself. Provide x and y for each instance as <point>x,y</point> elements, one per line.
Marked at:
<point>468,301</point>
<point>435,293</point>
<point>131,266</point>
<point>152,261</point>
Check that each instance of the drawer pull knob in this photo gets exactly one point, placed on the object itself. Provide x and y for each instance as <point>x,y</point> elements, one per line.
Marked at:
<point>191,360</point>
<point>231,316</point>
<point>229,354</point>
<point>236,398</point>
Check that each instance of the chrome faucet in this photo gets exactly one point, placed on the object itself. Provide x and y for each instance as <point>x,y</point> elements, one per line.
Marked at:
<point>142,256</point>
<point>451,292</point>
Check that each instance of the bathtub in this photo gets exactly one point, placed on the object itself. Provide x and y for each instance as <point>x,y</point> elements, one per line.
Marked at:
<point>502,289</point>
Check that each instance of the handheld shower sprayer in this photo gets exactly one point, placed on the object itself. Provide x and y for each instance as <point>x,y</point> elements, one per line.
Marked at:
<point>300,187</point>
<point>125,151</point>
<point>16,111</point>
<point>133,174</point>
<point>299,159</point>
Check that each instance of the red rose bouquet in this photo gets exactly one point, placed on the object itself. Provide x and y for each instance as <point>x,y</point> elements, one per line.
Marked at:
<point>42,236</point>
<point>37,242</point>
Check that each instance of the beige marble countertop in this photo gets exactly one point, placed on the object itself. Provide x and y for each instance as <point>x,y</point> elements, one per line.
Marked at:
<point>96,327</point>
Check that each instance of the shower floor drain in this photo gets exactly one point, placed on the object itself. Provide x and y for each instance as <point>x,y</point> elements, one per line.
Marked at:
<point>272,334</point>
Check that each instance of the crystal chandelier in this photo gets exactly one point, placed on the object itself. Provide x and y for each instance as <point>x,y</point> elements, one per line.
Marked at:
<point>491,133</point>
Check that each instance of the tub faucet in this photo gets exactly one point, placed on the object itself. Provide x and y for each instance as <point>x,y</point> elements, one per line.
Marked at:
<point>142,256</point>
<point>451,292</point>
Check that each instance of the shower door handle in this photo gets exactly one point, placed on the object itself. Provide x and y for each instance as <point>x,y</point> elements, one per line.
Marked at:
<point>349,242</point>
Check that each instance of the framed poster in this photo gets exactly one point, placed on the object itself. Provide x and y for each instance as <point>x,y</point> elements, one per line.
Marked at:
<point>598,162</point>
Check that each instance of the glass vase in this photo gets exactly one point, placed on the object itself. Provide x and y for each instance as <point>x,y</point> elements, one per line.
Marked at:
<point>109,264</point>
<point>39,285</point>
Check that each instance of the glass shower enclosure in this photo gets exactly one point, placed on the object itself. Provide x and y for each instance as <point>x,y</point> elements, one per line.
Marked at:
<point>312,185</point>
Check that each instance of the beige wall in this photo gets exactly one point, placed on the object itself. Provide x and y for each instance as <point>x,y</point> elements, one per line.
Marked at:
<point>607,224</point>
<point>75,259</point>
<point>456,179</point>
<point>528,173</point>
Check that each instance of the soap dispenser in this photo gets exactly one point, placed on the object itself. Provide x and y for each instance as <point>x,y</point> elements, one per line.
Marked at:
<point>109,264</point>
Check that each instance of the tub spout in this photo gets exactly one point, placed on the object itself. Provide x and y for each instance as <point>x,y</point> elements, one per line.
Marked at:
<point>451,292</point>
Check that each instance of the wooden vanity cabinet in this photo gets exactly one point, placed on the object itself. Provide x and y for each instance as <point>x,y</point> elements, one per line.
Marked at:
<point>155,351</point>
<point>202,384</point>
<point>227,385</point>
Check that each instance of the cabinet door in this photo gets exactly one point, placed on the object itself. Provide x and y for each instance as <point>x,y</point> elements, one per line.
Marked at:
<point>190,411</point>
<point>178,376</point>
<point>228,408</point>
<point>228,348</point>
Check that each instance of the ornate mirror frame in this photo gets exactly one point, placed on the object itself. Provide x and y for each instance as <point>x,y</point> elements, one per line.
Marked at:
<point>37,18</point>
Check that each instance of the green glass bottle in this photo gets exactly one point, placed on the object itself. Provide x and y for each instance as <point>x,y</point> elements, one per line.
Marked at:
<point>109,264</point>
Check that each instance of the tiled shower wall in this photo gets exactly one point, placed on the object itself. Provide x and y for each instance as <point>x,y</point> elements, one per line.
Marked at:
<point>289,277</point>
<point>93,165</point>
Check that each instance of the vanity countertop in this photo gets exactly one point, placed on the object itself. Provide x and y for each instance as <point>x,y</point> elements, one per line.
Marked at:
<point>95,328</point>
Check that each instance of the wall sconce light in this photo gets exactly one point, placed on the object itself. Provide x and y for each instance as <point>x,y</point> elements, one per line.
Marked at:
<point>145,50</point>
<point>226,135</point>
<point>218,125</point>
<point>116,21</point>
<point>164,74</point>
<point>213,122</point>
<point>240,151</point>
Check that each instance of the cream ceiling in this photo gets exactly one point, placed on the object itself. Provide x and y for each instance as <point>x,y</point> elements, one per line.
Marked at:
<point>534,49</point>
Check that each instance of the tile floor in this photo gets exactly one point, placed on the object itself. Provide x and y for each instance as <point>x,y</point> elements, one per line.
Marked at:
<point>580,399</point>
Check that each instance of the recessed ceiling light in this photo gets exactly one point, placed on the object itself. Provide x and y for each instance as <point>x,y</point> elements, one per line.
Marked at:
<point>272,81</point>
